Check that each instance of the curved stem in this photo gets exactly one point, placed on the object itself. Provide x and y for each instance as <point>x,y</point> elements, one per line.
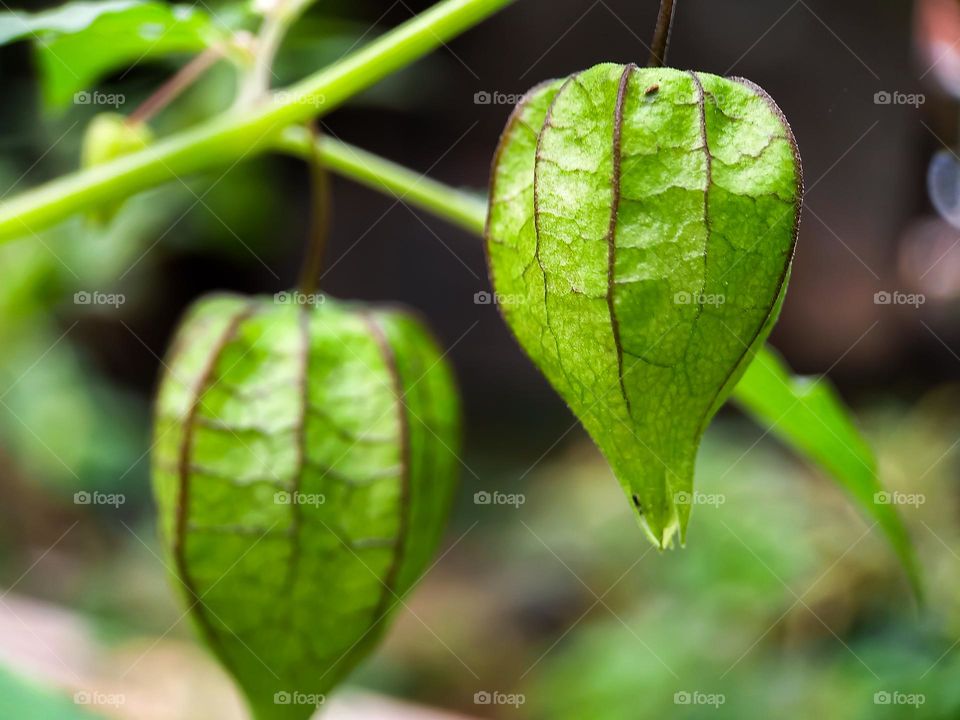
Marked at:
<point>661,35</point>
<point>459,207</point>
<point>272,32</point>
<point>320,211</point>
<point>172,88</point>
<point>234,136</point>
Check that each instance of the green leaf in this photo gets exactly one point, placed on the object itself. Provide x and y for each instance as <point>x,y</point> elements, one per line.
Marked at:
<point>641,229</point>
<point>80,42</point>
<point>807,414</point>
<point>304,466</point>
<point>20,698</point>
<point>70,18</point>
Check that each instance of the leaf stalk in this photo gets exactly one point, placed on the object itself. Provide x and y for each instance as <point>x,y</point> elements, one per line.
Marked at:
<point>661,34</point>
<point>172,88</point>
<point>321,207</point>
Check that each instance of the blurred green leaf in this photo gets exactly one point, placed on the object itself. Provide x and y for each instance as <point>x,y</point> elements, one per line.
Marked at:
<point>71,18</point>
<point>80,42</point>
<point>20,699</point>
<point>808,415</point>
<point>62,423</point>
<point>73,62</point>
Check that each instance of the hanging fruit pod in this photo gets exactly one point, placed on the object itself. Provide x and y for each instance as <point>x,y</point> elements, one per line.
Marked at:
<point>304,464</point>
<point>641,229</point>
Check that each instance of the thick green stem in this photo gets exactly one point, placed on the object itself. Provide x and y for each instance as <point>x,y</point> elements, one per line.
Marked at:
<point>234,136</point>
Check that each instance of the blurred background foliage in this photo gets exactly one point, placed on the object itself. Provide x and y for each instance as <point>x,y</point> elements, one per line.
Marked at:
<point>785,601</point>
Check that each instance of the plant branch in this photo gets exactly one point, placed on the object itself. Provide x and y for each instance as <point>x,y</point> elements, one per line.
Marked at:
<point>461,208</point>
<point>661,35</point>
<point>234,136</point>
<point>171,89</point>
<point>272,32</point>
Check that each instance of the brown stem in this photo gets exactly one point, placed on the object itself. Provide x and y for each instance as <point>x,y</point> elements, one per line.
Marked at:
<point>321,206</point>
<point>661,36</point>
<point>171,89</point>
